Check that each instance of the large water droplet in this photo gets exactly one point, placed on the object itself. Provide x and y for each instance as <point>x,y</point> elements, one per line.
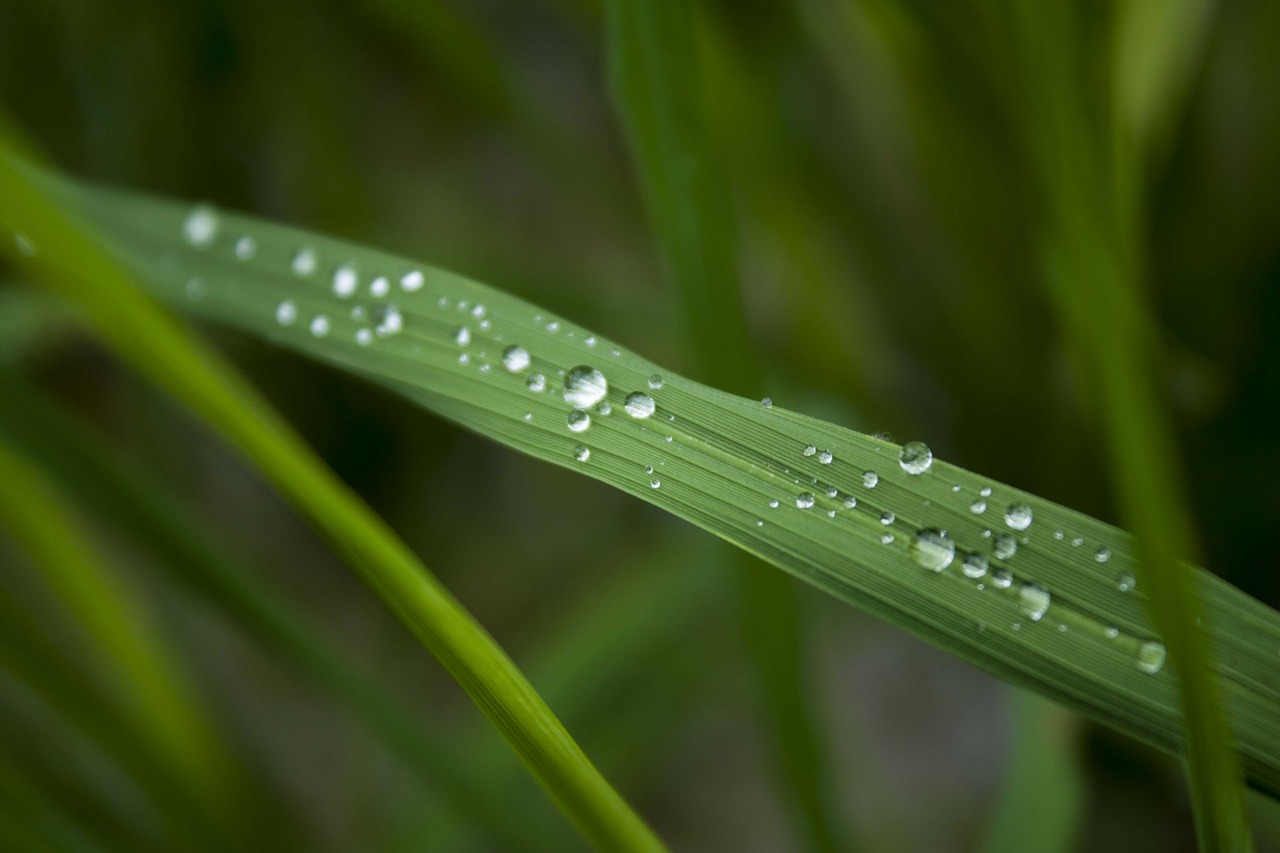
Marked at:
<point>870,478</point>
<point>304,262</point>
<point>536,382</point>
<point>1151,655</point>
<point>345,281</point>
<point>516,358</point>
<point>320,326</point>
<point>1006,546</point>
<point>584,386</point>
<point>974,565</point>
<point>887,518</point>
<point>201,226</point>
<point>805,500</point>
<point>411,281</point>
<point>1125,581</point>
<point>1018,516</point>
<point>578,420</point>
<point>639,405</point>
<point>978,507</point>
<point>915,457</point>
<point>581,453</point>
<point>246,248</point>
<point>1034,601</point>
<point>286,312</point>
<point>933,549</point>
<point>1102,554</point>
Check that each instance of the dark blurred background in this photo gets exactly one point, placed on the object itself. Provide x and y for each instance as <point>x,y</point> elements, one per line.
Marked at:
<point>888,247</point>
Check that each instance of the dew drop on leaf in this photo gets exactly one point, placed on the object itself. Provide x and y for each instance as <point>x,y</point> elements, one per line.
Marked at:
<point>345,281</point>
<point>536,382</point>
<point>1001,579</point>
<point>974,565</point>
<point>978,507</point>
<point>200,226</point>
<point>767,402</point>
<point>1125,581</point>
<point>411,281</point>
<point>1151,655</point>
<point>810,450</point>
<point>870,478</point>
<point>246,248</point>
<point>286,312</point>
<point>304,262</point>
<point>581,453</point>
<point>462,336</point>
<point>320,326</point>
<point>639,405</point>
<point>1034,601</point>
<point>915,457</point>
<point>805,500</point>
<point>584,386</point>
<point>1006,546</point>
<point>655,381</point>
<point>1018,516</point>
<point>379,287</point>
<point>578,421</point>
<point>1102,554</point>
<point>515,358</point>
<point>825,457</point>
<point>932,549</point>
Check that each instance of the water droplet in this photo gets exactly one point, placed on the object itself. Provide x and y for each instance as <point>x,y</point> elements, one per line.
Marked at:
<point>196,288</point>
<point>1034,601</point>
<point>648,469</point>
<point>478,312</point>
<point>201,226</point>
<point>870,478</point>
<point>1112,632</point>
<point>1102,554</point>
<point>578,420</point>
<point>581,453</point>
<point>655,483</point>
<point>411,281</point>
<point>759,522</point>
<point>246,248</point>
<point>884,436</point>
<point>655,381</point>
<point>1006,546</point>
<point>974,565</point>
<point>833,492</point>
<point>536,382</point>
<point>767,402</point>
<point>825,457</point>
<point>1057,534</point>
<point>982,626</point>
<point>773,504</point>
<point>528,416</point>
<point>387,320</point>
<point>1151,655</point>
<point>364,337</point>
<point>345,281</point>
<point>304,262</point>
<point>887,518</point>
<point>850,502</point>
<point>1018,516</point>
<point>584,387</point>
<point>320,326</point>
<point>604,408</point>
<point>286,312</point>
<point>1001,579</point>
<point>805,500</point>
<point>357,312</point>
<point>379,287</point>
<point>1126,581</point>
<point>887,538</point>
<point>978,507</point>
<point>464,358</point>
<point>915,457</point>
<point>1017,626</point>
<point>516,358</point>
<point>933,549</point>
<point>831,513</point>
<point>1077,542</point>
<point>462,336</point>
<point>809,450</point>
<point>553,327</point>
<point>639,405</point>
<point>956,487</point>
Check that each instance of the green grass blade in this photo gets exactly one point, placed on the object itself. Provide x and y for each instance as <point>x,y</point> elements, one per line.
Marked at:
<point>720,461</point>
<point>146,337</point>
<point>656,75</point>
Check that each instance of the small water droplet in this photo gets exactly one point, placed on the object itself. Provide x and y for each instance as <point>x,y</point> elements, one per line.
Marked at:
<point>1125,581</point>
<point>805,500</point>
<point>956,487</point>
<point>1017,626</point>
<point>1001,579</point>
<point>884,436</point>
<point>767,402</point>
<point>1034,601</point>
<point>1077,542</point>
<point>536,382</point>
<point>345,281</point>
<point>1018,516</point>
<point>584,386</point>
<point>759,522</point>
<point>648,469</point>
<point>304,262</point>
<point>915,457</point>
<point>982,626</point>
<point>553,327</point>
<point>464,358</point>
<point>411,280</point>
<point>528,416</point>
<point>825,457</point>
<point>887,518</point>
<point>655,381</point>
<point>379,287</point>
<point>486,367</point>
<point>320,326</point>
<point>1006,546</point>
<point>1102,554</point>
<point>655,483</point>
<point>357,312</point>
<point>582,453</point>
<point>201,226</point>
<point>604,408</point>
<point>1112,632</point>
<point>196,288</point>
<point>387,320</point>
<point>246,248</point>
<point>1057,534</point>
<point>831,513</point>
<point>515,358</point>
<point>286,312</point>
<point>462,336</point>
<point>478,312</point>
<point>773,504</point>
<point>833,492</point>
<point>578,420</point>
<point>850,502</point>
<point>933,549</point>
<point>590,340</point>
<point>974,565</point>
<point>639,405</point>
<point>870,478</point>
<point>809,450</point>
<point>887,538</point>
<point>1151,655</point>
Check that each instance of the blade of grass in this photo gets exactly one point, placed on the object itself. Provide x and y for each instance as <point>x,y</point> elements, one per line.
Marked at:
<point>720,462</point>
<point>147,338</point>
<point>1090,256</point>
<point>153,517</point>
<point>655,74</point>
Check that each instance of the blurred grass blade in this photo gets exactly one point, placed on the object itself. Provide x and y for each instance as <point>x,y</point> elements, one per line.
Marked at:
<point>1054,608</point>
<point>152,515</point>
<point>655,71</point>
<point>154,344</point>
<point>1090,256</point>
<point>1043,795</point>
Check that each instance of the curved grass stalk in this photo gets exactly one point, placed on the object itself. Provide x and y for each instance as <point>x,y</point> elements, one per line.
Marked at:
<point>1033,592</point>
